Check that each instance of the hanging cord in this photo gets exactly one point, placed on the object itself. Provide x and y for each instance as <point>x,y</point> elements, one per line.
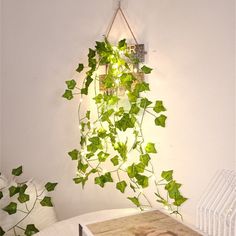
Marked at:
<point>126,21</point>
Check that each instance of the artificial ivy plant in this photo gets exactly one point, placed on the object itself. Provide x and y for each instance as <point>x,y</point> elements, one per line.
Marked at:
<point>20,201</point>
<point>113,148</point>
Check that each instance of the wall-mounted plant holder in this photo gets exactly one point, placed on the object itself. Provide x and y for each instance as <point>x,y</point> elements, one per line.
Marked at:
<point>136,50</point>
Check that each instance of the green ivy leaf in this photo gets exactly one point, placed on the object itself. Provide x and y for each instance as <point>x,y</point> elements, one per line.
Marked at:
<point>101,47</point>
<point>98,99</point>
<point>167,175</point>
<point>80,67</point>
<point>120,112</point>
<point>88,114</point>
<point>150,148</point>
<point>50,186</point>
<point>102,156</point>
<point>161,200</point>
<point>92,63</point>
<point>13,190</point>
<point>74,154</point>
<point>173,189</point>
<point>46,202</point>
<point>11,208</point>
<point>135,201</point>
<point>179,200</point>
<point>94,145</point>
<point>31,230</point>
<point>132,97</point>
<point>1,195</point>
<point>92,53</point>
<point>82,126</point>
<point>142,180</point>
<point>101,180</point>
<point>18,171</point>
<point>127,80</point>
<point>115,160</point>
<point>140,167</point>
<point>113,100</point>
<point>132,171</point>
<point>125,122</point>
<point>89,155</point>
<point>82,167</point>
<point>88,81</point>
<point>145,103</point>
<point>159,107</point>
<point>121,186</point>
<point>82,140</point>
<point>2,232</point>
<point>23,197</point>
<point>71,84</point>
<point>23,188</point>
<point>122,45</point>
<point>82,180</point>
<point>134,109</point>
<point>68,94</point>
<point>145,158</point>
<point>84,91</point>
<point>161,121</point>
<point>146,70</point>
<point>102,133</point>
<point>141,87</point>
<point>121,148</point>
<point>78,180</point>
<point>106,115</point>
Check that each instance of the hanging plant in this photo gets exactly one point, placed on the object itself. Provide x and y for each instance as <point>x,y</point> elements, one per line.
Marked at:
<point>113,148</point>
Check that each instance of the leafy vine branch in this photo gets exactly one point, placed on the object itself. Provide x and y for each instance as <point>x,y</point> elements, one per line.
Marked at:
<point>22,203</point>
<point>113,137</point>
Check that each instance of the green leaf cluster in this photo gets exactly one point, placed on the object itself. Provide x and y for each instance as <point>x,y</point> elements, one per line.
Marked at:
<point>114,138</point>
<point>19,192</point>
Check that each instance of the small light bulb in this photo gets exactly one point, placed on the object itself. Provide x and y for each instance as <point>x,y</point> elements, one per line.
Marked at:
<point>166,207</point>
<point>83,152</point>
<point>114,48</point>
<point>115,66</point>
<point>125,166</point>
<point>135,70</point>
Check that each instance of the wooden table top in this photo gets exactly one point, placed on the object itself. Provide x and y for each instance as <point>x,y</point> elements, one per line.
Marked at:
<point>152,223</point>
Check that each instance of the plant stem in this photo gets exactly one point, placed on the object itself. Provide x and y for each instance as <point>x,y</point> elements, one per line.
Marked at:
<point>35,201</point>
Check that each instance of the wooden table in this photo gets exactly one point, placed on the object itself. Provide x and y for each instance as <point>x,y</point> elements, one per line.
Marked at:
<point>152,223</point>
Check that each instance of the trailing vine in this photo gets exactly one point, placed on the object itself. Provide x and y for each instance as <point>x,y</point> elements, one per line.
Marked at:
<point>113,148</point>
<point>20,200</point>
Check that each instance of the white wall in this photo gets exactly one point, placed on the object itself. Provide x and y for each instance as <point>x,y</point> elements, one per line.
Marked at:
<point>190,44</point>
<point>0,85</point>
